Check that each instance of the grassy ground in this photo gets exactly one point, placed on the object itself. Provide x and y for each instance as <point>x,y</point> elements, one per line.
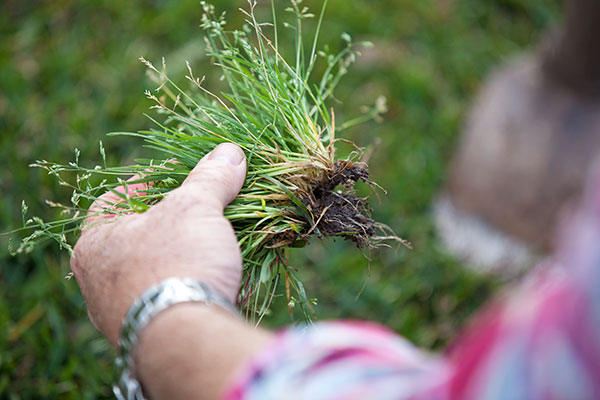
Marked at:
<point>69,73</point>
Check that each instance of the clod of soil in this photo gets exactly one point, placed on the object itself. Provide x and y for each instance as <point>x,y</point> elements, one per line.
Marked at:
<point>337,210</point>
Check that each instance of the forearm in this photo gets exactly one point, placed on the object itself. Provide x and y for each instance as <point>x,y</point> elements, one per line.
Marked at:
<point>192,351</point>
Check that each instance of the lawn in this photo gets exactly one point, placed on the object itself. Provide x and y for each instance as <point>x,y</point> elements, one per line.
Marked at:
<point>69,73</point>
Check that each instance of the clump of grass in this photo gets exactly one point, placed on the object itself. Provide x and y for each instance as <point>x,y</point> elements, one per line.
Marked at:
<point>277,111</point>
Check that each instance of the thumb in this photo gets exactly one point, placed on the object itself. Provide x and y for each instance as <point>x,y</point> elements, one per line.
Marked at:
<point>217,178</point>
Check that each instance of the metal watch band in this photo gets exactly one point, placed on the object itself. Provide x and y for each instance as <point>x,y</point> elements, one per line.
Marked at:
<point>156,299</point>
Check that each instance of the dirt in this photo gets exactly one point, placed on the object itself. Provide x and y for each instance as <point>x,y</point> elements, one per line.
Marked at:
<point>336,208</point>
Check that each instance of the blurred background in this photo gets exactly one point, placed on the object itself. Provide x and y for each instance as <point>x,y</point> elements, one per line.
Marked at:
<point>69,73</point>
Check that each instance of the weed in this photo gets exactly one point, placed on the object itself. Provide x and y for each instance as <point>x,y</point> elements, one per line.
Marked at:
<point>277,111</point>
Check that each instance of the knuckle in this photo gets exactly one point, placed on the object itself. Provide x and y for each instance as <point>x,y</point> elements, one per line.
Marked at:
<point>215,173</point>
<point>211,184</point>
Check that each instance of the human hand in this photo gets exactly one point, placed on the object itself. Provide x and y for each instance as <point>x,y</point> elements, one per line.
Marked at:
<point>185,235</point>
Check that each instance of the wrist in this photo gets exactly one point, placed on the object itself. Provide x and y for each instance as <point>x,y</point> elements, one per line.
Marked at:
<point>152,303</point>
<point>176,356</point>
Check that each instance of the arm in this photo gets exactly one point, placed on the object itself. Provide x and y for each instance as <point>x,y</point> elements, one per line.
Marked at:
<point>189,348</point>
<point>538,341</point>
<point>541,342</point>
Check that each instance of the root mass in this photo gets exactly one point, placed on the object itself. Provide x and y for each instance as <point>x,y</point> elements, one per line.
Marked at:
<point>337,210</point>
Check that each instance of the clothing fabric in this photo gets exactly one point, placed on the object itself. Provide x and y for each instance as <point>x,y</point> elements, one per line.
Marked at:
<point>541,341</point>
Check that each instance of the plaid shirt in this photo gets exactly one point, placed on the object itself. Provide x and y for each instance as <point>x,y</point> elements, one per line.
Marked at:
<point>540,342</point>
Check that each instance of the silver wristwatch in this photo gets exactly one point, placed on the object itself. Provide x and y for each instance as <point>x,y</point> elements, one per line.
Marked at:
<point>156,299</point>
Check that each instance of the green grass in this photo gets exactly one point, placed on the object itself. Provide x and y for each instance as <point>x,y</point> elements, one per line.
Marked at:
<point>69,73</point>
<point>277,109</point>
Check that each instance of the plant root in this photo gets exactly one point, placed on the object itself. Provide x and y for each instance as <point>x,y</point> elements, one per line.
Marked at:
<point>336,208</point>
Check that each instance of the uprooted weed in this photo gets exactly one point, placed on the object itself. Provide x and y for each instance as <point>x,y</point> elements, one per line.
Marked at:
<point>278,113</point>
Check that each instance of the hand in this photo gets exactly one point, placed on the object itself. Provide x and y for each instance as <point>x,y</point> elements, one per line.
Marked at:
<point>185,235</point>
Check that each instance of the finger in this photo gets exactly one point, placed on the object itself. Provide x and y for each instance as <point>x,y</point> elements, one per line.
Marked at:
<point>216,179</point>
<point>105,206</point>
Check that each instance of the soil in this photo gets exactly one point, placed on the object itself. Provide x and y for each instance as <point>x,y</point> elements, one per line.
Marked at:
<point>337,209</point>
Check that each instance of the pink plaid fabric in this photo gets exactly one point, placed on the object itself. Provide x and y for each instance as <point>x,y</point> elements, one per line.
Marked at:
<point>541,341</point>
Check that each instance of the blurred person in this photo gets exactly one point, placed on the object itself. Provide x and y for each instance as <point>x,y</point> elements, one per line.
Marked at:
<point>528,141</point>
<point>185,340</point>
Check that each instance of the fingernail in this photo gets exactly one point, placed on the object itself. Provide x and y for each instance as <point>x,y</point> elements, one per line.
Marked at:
<point>227,152</point>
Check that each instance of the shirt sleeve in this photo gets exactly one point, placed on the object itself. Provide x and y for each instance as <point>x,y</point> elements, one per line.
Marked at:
<point>541,341</point>
<point>339,360</point>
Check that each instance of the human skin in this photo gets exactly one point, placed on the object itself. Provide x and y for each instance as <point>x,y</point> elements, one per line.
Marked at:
<point>190,350</point>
